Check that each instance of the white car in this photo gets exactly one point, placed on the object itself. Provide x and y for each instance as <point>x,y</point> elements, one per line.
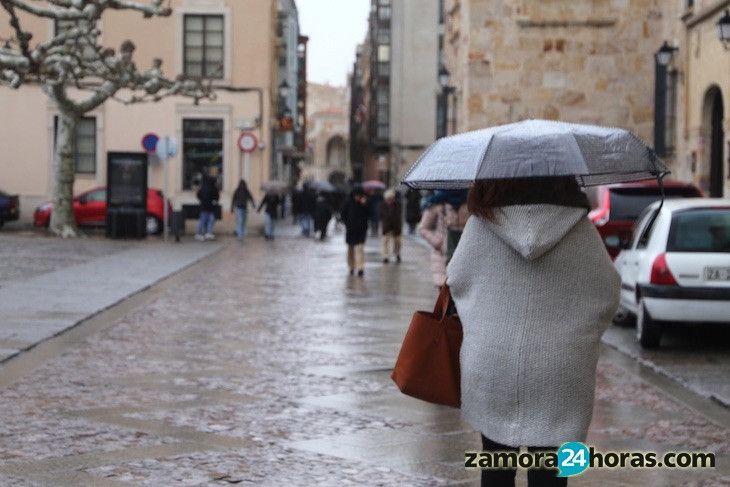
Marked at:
<point>677,267</point>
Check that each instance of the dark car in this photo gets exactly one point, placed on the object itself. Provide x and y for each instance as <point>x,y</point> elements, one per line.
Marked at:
<point>9,208</point>
<point>616,207</point>
<point>90,210</point>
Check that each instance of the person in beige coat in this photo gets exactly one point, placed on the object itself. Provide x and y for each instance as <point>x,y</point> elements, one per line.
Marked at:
<point>433,229</point>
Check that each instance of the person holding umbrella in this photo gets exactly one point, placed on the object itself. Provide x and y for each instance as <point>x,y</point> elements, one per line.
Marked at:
<point>532,282</point>
<point>354,215</point>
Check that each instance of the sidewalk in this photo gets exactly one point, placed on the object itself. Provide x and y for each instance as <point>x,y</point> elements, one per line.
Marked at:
<point>42,297</point>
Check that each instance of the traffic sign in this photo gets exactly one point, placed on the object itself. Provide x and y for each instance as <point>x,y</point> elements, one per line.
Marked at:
<point>247,142</point>
<point>149,142</point>
<point>166,147</point>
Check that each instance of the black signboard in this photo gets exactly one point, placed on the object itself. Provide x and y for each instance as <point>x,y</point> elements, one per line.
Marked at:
<point>127,179</point>
<point>126,195</point>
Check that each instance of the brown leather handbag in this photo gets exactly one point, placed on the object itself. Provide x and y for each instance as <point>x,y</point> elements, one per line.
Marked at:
<point>428,363</point>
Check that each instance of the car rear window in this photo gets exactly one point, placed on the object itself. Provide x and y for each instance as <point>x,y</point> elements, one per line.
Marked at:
<point>700,230</point>
<point>628,203</point>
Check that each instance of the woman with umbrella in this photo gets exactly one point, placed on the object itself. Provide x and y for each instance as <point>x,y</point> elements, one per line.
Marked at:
<point>532,282</point>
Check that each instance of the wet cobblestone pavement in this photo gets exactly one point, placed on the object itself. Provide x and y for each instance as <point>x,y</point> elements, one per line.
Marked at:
<point>267,364</point>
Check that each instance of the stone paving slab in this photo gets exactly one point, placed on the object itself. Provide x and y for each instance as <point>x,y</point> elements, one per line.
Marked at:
<point>39,307</point>
<point>268,365</point>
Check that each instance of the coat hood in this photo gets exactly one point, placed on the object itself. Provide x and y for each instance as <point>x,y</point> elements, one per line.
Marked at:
<point>533,230</point>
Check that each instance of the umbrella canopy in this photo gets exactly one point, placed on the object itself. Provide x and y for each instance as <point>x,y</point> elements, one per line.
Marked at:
<point>535,148</point>
<point>373,185</point>
<point>279,187</point>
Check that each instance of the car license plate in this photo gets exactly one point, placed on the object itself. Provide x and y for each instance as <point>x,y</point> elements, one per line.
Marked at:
<point>717,273</point>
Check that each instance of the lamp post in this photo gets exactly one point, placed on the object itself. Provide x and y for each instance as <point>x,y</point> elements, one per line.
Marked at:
<point>444,78</point>
<point>665,54</point>
<point>723,29</point>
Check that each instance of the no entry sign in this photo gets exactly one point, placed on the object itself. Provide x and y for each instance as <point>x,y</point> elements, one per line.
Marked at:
<point>149,142</point>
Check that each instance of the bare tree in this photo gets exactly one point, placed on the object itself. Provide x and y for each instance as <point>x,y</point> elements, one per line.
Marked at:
<point>79,74</point>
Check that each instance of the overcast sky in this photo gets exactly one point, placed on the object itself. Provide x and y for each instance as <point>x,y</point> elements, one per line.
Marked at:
<point>335,28</point>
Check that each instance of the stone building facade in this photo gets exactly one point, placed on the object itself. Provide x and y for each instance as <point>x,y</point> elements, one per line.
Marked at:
<point>328,152</point>
<point>580,61</point>
<point>701,66</point>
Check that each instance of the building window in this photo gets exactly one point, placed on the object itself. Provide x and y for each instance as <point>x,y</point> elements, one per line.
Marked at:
<point>202,150</point>
<point>203,46</point>
<point>384,53</point>
<point>85,144</point>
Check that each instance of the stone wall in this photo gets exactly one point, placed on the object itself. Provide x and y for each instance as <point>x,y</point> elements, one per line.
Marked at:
<point>586,61</point>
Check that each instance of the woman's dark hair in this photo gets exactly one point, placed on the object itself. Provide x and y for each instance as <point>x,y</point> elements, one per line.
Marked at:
<point>242,185</point>
<point>485,196</point>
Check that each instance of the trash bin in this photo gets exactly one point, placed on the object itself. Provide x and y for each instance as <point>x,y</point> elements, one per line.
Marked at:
<point>178,224</point>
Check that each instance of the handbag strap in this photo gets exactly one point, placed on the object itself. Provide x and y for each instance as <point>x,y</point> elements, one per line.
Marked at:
<point>442,303</point>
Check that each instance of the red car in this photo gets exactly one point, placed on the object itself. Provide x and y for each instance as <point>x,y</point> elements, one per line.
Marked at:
<point>90,210</point>
<point>616,207</point>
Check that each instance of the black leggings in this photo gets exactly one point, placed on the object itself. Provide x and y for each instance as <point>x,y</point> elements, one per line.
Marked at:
<point>506,477</point>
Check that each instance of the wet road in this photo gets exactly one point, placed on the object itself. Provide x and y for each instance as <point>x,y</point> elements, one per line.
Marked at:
<point>267,364</point>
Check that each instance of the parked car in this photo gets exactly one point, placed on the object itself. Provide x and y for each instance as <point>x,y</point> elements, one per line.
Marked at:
<point>90,210</point>
<point>677,267</point>
<point>616,207</point>
<point>9,208</point>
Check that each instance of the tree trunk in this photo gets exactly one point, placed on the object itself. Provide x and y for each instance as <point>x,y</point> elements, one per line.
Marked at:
<point>63,221</point>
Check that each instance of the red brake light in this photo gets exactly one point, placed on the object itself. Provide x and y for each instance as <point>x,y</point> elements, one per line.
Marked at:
<point>660,273</point>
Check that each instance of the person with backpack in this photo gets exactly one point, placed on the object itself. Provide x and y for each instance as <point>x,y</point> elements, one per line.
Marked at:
<point>208,195</point>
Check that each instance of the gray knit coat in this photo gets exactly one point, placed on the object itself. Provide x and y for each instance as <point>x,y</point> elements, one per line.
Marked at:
<point>535,291</point>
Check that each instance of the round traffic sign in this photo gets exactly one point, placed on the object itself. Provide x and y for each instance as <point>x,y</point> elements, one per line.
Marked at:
<point>149,142</point>
<point>247,142</point>
<point>167,147</point>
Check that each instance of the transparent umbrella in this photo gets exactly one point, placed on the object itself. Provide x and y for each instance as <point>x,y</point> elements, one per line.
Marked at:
<point>536,148</point>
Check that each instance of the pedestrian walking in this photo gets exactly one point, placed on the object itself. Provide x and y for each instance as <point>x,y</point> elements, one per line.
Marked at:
<point>207,195</point>
<point>455,216</point>
<point>391,219</point>
<point>374,202</point>
<point>433,229</point>
<point>354,215</point>
<point>322,216</point>
<point>535,290</point>
<point>308,205</point>
<point>413,209</point>
<point>270,205</point>
<point>239,205</point>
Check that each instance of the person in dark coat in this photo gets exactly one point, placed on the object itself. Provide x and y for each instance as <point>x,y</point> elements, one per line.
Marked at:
<point>239,205</point>
<point>308,206</point>
<point>374,202</point>
<point>413,209</point>
<point>322,216</point>
<point>391,219</point>
<point>207,196</point>
<point>354,215</point>
<point>270,204</point>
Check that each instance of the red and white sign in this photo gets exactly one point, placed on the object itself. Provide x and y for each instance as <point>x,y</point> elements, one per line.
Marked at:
<point>248,142</point>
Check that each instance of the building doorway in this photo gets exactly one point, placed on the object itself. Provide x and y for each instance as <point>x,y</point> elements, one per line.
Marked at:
<point>713,117</point>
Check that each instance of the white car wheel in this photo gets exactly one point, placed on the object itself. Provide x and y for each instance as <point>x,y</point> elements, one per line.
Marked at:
<point>648,331</point>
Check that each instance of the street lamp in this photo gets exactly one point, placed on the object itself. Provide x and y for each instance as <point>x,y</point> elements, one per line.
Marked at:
<point>723,29</point>
<point>284,89</point>
<point>444,77</point>
<point>665,54</point>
